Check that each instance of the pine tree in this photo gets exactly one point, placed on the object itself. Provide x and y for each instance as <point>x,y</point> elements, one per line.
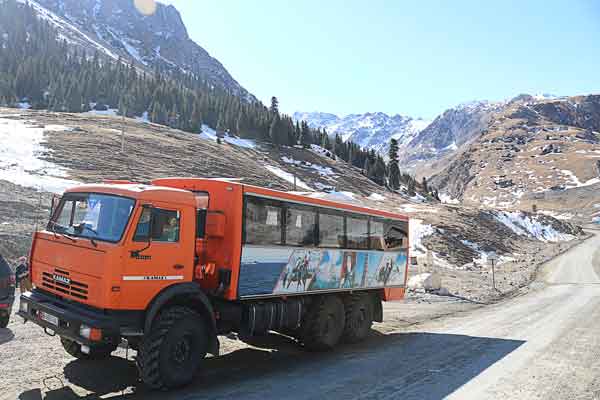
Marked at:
<point>274,105</point>
<point>393,168</point>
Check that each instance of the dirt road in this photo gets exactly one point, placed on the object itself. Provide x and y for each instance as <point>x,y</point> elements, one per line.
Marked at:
<point>544,344</point>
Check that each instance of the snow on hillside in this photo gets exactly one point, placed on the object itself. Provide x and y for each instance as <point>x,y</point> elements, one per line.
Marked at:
<point>524,225</point>
<point>418,230</point>
<point>286,176</point>
<point>369,130</point>
<point>20,157</point>
<point>210,134</point>
<point>67,28</point>
<point>323,171</point>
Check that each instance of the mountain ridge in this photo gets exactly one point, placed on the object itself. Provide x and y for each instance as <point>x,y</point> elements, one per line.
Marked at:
<point>118,29</point>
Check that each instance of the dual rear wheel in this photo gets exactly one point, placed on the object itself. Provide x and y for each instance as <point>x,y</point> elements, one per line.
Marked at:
<point>332,319</point>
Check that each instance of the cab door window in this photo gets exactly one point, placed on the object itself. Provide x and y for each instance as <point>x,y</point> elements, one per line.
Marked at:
<point>165,227</point>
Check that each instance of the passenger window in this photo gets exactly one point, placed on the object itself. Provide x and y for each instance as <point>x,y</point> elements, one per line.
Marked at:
<point>357,233</point>
<point>396,236</point>
<point>300,226</point>
<point>164,229</point>
<point>263,222</point>
<point>331,230</point>
<point>376,239</point>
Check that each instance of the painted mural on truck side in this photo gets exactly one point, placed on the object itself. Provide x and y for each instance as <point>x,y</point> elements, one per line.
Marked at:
<point>281,270</point>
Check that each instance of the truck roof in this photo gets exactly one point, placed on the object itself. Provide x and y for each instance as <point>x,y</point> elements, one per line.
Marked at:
<point>137,191</point>
<point>200,184</point>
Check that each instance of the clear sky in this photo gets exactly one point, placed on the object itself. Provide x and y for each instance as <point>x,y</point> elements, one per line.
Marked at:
<point>415,58</point>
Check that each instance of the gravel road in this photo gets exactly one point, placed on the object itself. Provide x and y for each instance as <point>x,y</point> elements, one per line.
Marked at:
<point>543,343</point>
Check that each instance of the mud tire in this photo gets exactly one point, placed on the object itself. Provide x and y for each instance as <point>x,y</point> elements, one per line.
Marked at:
<point>359,318</point>
<point>324,324</point>
<point>172,352</point>
<point>99,352</point>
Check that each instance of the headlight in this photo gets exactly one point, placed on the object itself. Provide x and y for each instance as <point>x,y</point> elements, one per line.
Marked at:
<point>89,333</point>
<point>85,331</point>
<point>23,307</point>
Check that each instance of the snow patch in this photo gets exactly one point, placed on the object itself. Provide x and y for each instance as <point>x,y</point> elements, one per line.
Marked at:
<point>376,197</point>
<point>524,225</point>
<point>286,176</point>
<point>447,199</point>
<point>20,157</point>
<point>418,231</point>
<point>210,134</point>
<point>113,112</point>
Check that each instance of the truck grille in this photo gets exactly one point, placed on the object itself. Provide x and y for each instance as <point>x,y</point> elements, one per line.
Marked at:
<point>61,282</point>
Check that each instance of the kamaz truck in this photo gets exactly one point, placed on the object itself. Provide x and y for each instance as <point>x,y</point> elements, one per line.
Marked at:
<point>169,266</point>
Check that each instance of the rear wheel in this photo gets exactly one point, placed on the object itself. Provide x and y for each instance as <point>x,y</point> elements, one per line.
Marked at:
<point>97,352</point>
<point>173,350</point>
<point>4,321</point>
<point>324,324</point>
<point>359,318</point>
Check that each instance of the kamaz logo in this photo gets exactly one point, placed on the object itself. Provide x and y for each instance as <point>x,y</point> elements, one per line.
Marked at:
<point>62,279</point>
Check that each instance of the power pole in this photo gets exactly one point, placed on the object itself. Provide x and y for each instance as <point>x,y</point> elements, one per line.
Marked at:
<point>123,132</point>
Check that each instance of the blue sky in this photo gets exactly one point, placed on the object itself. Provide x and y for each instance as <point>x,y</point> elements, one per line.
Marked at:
<point>415,58</point>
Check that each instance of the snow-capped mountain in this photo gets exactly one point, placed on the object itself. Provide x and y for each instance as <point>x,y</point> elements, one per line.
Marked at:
<point>449,131</point>
<point>369,130</point>
<point>115,28</point>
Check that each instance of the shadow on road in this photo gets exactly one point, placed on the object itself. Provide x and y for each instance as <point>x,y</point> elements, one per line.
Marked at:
<point>414,365</point>
<point>6,335</point>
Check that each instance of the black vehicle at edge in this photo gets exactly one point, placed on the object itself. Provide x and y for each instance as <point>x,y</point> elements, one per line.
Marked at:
<point>7,292</point>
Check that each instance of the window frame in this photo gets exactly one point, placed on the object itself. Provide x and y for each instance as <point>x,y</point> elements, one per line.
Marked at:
<point>333,212</point>
<point>152,210</point>
<point>66,197</point>
<point>315,238</point>
<point>279,204</point>
<point>284,204</point>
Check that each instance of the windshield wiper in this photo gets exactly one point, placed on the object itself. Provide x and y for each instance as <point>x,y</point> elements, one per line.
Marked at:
<point>83,226</point>
<point>53,230</point>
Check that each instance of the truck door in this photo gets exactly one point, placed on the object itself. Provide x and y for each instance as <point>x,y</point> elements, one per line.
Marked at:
<point>167,259</point>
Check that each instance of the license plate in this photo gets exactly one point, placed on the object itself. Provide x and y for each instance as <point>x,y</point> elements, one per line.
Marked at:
<point>51,319</point>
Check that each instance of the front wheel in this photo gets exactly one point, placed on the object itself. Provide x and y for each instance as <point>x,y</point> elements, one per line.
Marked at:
<point>97,352</point>
<point>173,350</point>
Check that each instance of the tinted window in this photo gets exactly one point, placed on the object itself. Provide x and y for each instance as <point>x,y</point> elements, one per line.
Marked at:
<point>200,223</point>
<point>331,230</point>
<point>396,236</point>
<point>376,239</point>
<point>357,233</point>
<point>262,221</point>
<point>300,226</point>
<point>164,229</point>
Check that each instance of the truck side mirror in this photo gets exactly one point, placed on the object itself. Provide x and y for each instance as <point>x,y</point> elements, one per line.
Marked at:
<point>53,204</point>
<point>215,224</point>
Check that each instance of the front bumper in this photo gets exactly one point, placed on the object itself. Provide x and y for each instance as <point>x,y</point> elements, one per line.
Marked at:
<point>70,318</point>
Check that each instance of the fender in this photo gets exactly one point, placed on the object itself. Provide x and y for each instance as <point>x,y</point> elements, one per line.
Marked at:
<point>178,294</point>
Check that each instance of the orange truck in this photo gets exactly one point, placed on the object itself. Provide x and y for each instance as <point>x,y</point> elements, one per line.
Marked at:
<point>166,267</point>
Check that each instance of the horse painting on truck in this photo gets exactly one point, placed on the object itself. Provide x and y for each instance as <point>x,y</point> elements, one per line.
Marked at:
<point>169,266</point>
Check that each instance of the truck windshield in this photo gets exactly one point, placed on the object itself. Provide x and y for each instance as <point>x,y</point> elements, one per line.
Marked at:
<point>94,216</point>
